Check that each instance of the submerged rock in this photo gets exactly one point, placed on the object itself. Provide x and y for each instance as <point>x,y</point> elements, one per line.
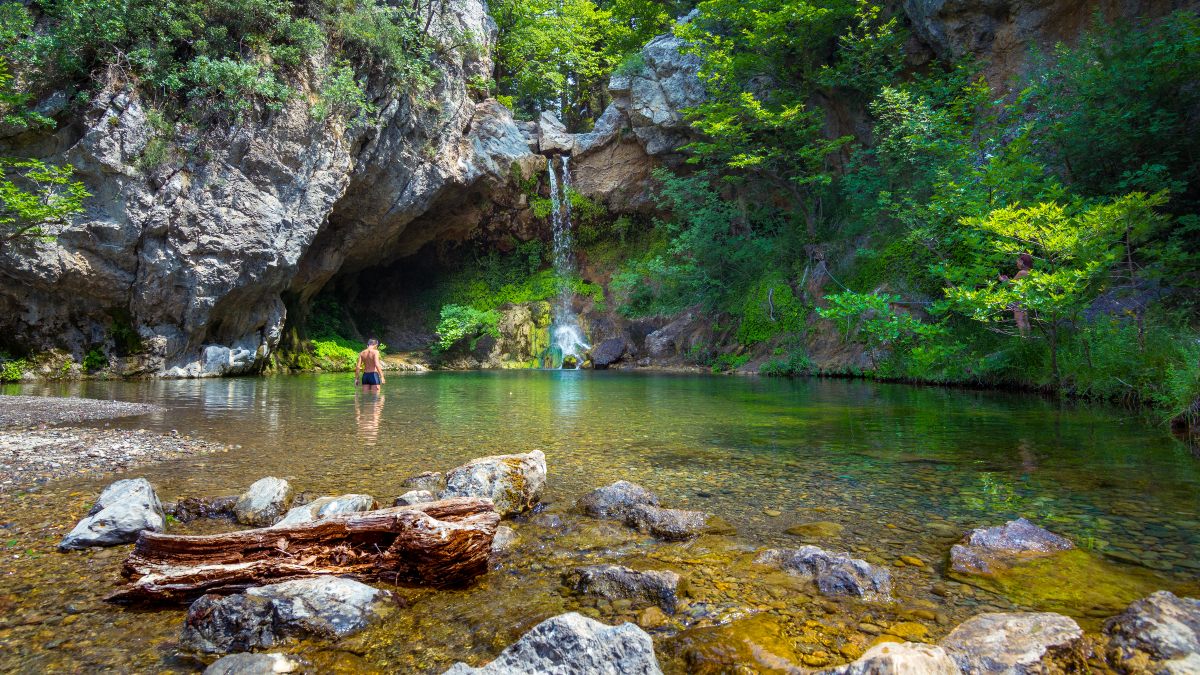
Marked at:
<point>671,524</point>
<point>571,643</point>
<point>322,607</point>
<point>900,658</point>
<point>188,509</point>
<point>122,511</point>
<point>834,573</point>
<point>817,530</point>
<point>616,500</point>
<point>1012,643</point>
<point>1160,633</point>
<point>264,502</point>
<point>659,587</point>
<point>988,550</point>
<point>513,482</point>
<point>433,481</point>
<point>253,664</point>
<point>504,540</point>
<point>414,497</point>
<point>324,507</point>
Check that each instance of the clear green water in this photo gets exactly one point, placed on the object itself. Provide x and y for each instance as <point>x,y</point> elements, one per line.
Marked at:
<point>904,470</point>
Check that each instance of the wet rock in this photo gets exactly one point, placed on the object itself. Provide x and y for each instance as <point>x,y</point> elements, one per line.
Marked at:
<point>323,607</point>
<point>253,664</point>
<point>504,540</point>
<point>1012,643</point>
<point>992,549</point>
<point>324,507</point>
<point>571,643</point>
<point>264,502</point>
<point>755,643</point>
<point>615,501</point>
<point>1159,633</point>
<point>817,530</point>
<point>197,508</point>
<point>608,352</point>
<point>671,524</point>
<point>123,510</point>
<point>900,658</point>
<point>414,497</point>
<point>433,481</point>
<point>612,582</point>
<point>834,573</point>
<point>513,482</point>
<point>652,617</point>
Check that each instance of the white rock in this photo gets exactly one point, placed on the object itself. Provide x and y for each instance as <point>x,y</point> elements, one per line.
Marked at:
<point>123,510</point>
<point>513,482</point>
<point>553,135</point>
<point>900,658</point>
<point>252,664</point>
<point>1010,643</point>
<point>322,508</point>
<point>264,502</point>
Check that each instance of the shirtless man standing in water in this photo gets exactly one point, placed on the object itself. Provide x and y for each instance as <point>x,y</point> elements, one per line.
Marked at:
<point>370,366</point>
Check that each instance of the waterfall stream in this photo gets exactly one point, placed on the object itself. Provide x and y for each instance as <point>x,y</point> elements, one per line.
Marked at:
<point>567,343</point>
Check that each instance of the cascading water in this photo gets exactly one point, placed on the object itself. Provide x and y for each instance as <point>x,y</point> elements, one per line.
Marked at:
<point>567,343</point>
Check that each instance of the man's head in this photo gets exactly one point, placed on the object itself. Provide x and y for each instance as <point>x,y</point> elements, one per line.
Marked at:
<point>1025,261</point>
<point>372,343</point>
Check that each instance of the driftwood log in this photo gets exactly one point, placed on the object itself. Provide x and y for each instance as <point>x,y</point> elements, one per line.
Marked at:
<point>440,544</point>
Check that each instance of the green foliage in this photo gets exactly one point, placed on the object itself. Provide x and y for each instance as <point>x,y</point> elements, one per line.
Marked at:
<point>342,95</point>
<point>770,309</point>
<point>870,53</point>
<point>94,360</point>
<point>12,370</point>
<point>724,363</point>
<point>631,66</point>
<point>793,363</point>
<point>335,354</point>
<point>34,197</point>
<point>873,319</point>
<point>459,322</point>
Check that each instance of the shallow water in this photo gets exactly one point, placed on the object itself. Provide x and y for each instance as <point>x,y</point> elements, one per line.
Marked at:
<point>904,470</point>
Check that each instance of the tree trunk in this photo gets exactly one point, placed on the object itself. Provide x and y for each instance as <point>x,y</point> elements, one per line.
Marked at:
<point>443,543</point>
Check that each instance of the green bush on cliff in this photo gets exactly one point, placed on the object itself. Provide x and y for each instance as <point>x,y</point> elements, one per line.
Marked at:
<point>770,309</point>
<point>13,370</point>
<point>458,323</point>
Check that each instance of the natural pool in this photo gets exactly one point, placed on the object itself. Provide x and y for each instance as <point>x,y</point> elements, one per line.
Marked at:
<point>904,470</point>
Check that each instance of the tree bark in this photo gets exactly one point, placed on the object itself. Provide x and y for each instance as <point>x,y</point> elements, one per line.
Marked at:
<point>441,544</point>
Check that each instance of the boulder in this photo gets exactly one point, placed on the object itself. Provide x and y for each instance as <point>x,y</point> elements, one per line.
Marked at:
<point>122,511</point>
<point>554,137</point>
<point>253,664</point>
<point>608,352</point>
<point>834,573</point>
<point>188,509</point>
<point>988,550</point>
<point>321,607</point>
<point>900,658</point>
<point>505,540</point>
<point>669,524</point>
<point>615,501</point>
<point>324,507</point>
<point>414,497</point>
<point>1162,629</point>
<point>613,582</point>
<point>571,644</point>
<point>264,502</point>
<point>1012,643</point>
<point>433,481</point>
<point>514,483</point>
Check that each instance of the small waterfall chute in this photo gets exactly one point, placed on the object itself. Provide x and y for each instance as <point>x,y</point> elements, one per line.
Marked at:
<point>567,343</point>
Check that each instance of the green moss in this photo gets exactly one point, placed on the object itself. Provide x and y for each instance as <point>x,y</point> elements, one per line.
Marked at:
<point>335,354</point>
<point>770,309</point>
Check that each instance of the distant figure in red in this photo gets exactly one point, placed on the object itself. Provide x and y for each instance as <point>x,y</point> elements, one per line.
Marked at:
<point>371,366</point>
<point>1020,315</point>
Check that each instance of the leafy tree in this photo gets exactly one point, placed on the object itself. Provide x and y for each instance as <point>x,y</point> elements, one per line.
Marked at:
<point>459,322</point>
<point>34,197</point>
<point>874,319</point>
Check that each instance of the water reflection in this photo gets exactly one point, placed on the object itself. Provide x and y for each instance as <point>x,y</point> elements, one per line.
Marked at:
<point>368,411</point>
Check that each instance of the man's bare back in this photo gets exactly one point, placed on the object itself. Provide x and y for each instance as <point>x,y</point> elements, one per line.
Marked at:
<point>370,367</point>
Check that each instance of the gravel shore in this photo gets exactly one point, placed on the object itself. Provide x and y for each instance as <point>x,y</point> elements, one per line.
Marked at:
<point>30,455</point>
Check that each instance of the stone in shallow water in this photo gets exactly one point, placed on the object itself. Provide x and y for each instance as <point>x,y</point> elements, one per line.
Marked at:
<point>834,573</point>
<point>429,480</point>
<point>669,524</point>
<point>615,501</point>
<point>413,497</point>
<point>513,482</point>
<point>900,658</point>
<point>122,511</point>
<point>264,502</point>
<point>1159,629</point>
<point>988,550</point>
<point>571,643</point>
<point>252,664</point>
<point>758,643</point>
<point>505,540</point>
<point>615,581</point>
<point>817,530</point>
<point>188,509</point>
<point>322,607</point>
<point>324,507</point>
<point>1013,643</point>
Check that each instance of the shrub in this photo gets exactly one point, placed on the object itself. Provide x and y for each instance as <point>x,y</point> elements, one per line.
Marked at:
<point>13,370</point>
<point>459,322</point>
<point>94,360</point>
<point>771,309</point>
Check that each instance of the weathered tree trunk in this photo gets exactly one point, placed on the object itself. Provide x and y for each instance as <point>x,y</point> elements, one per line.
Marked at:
<point>442,543</point>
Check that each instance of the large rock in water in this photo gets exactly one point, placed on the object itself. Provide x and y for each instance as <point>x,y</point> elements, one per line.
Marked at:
<point>834,573</point>
<point>264,502</point>
<point>659,587</point>
<point>428,480</point>
<point>608,352</point>
<point>989,550</point>
<point>322,508</point>
<point>514,483</point>
<point>1012,643</point>
<point>322,607</point>
<point>123,510</point>
<point>571,644</point>
<point>900,658</point>
<point>253,664</point>
<point>1160,633</point>
<point>670,524</point>
<point>616,500</point>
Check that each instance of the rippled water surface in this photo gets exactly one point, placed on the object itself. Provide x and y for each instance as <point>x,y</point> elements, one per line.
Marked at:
<point>903,470</point>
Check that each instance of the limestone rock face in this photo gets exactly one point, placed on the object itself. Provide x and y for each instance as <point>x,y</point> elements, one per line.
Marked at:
<point>554,137</point>
<point>324,607</point>
<point>1163,629</point>
<point>123,510</point>
<point>264,502</point>
<point>900,658</point>
<point>988,550</point>
<point>659,587</point>
<point>616,500</point>
<point>608,352</point>
<point>322,508</point>
<point>571,644</point>
<point>513,482</point>
<point>834,573</point>
<point>1011,643</point>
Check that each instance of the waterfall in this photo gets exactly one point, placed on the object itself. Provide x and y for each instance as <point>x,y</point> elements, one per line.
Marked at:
<point>566,338</point>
